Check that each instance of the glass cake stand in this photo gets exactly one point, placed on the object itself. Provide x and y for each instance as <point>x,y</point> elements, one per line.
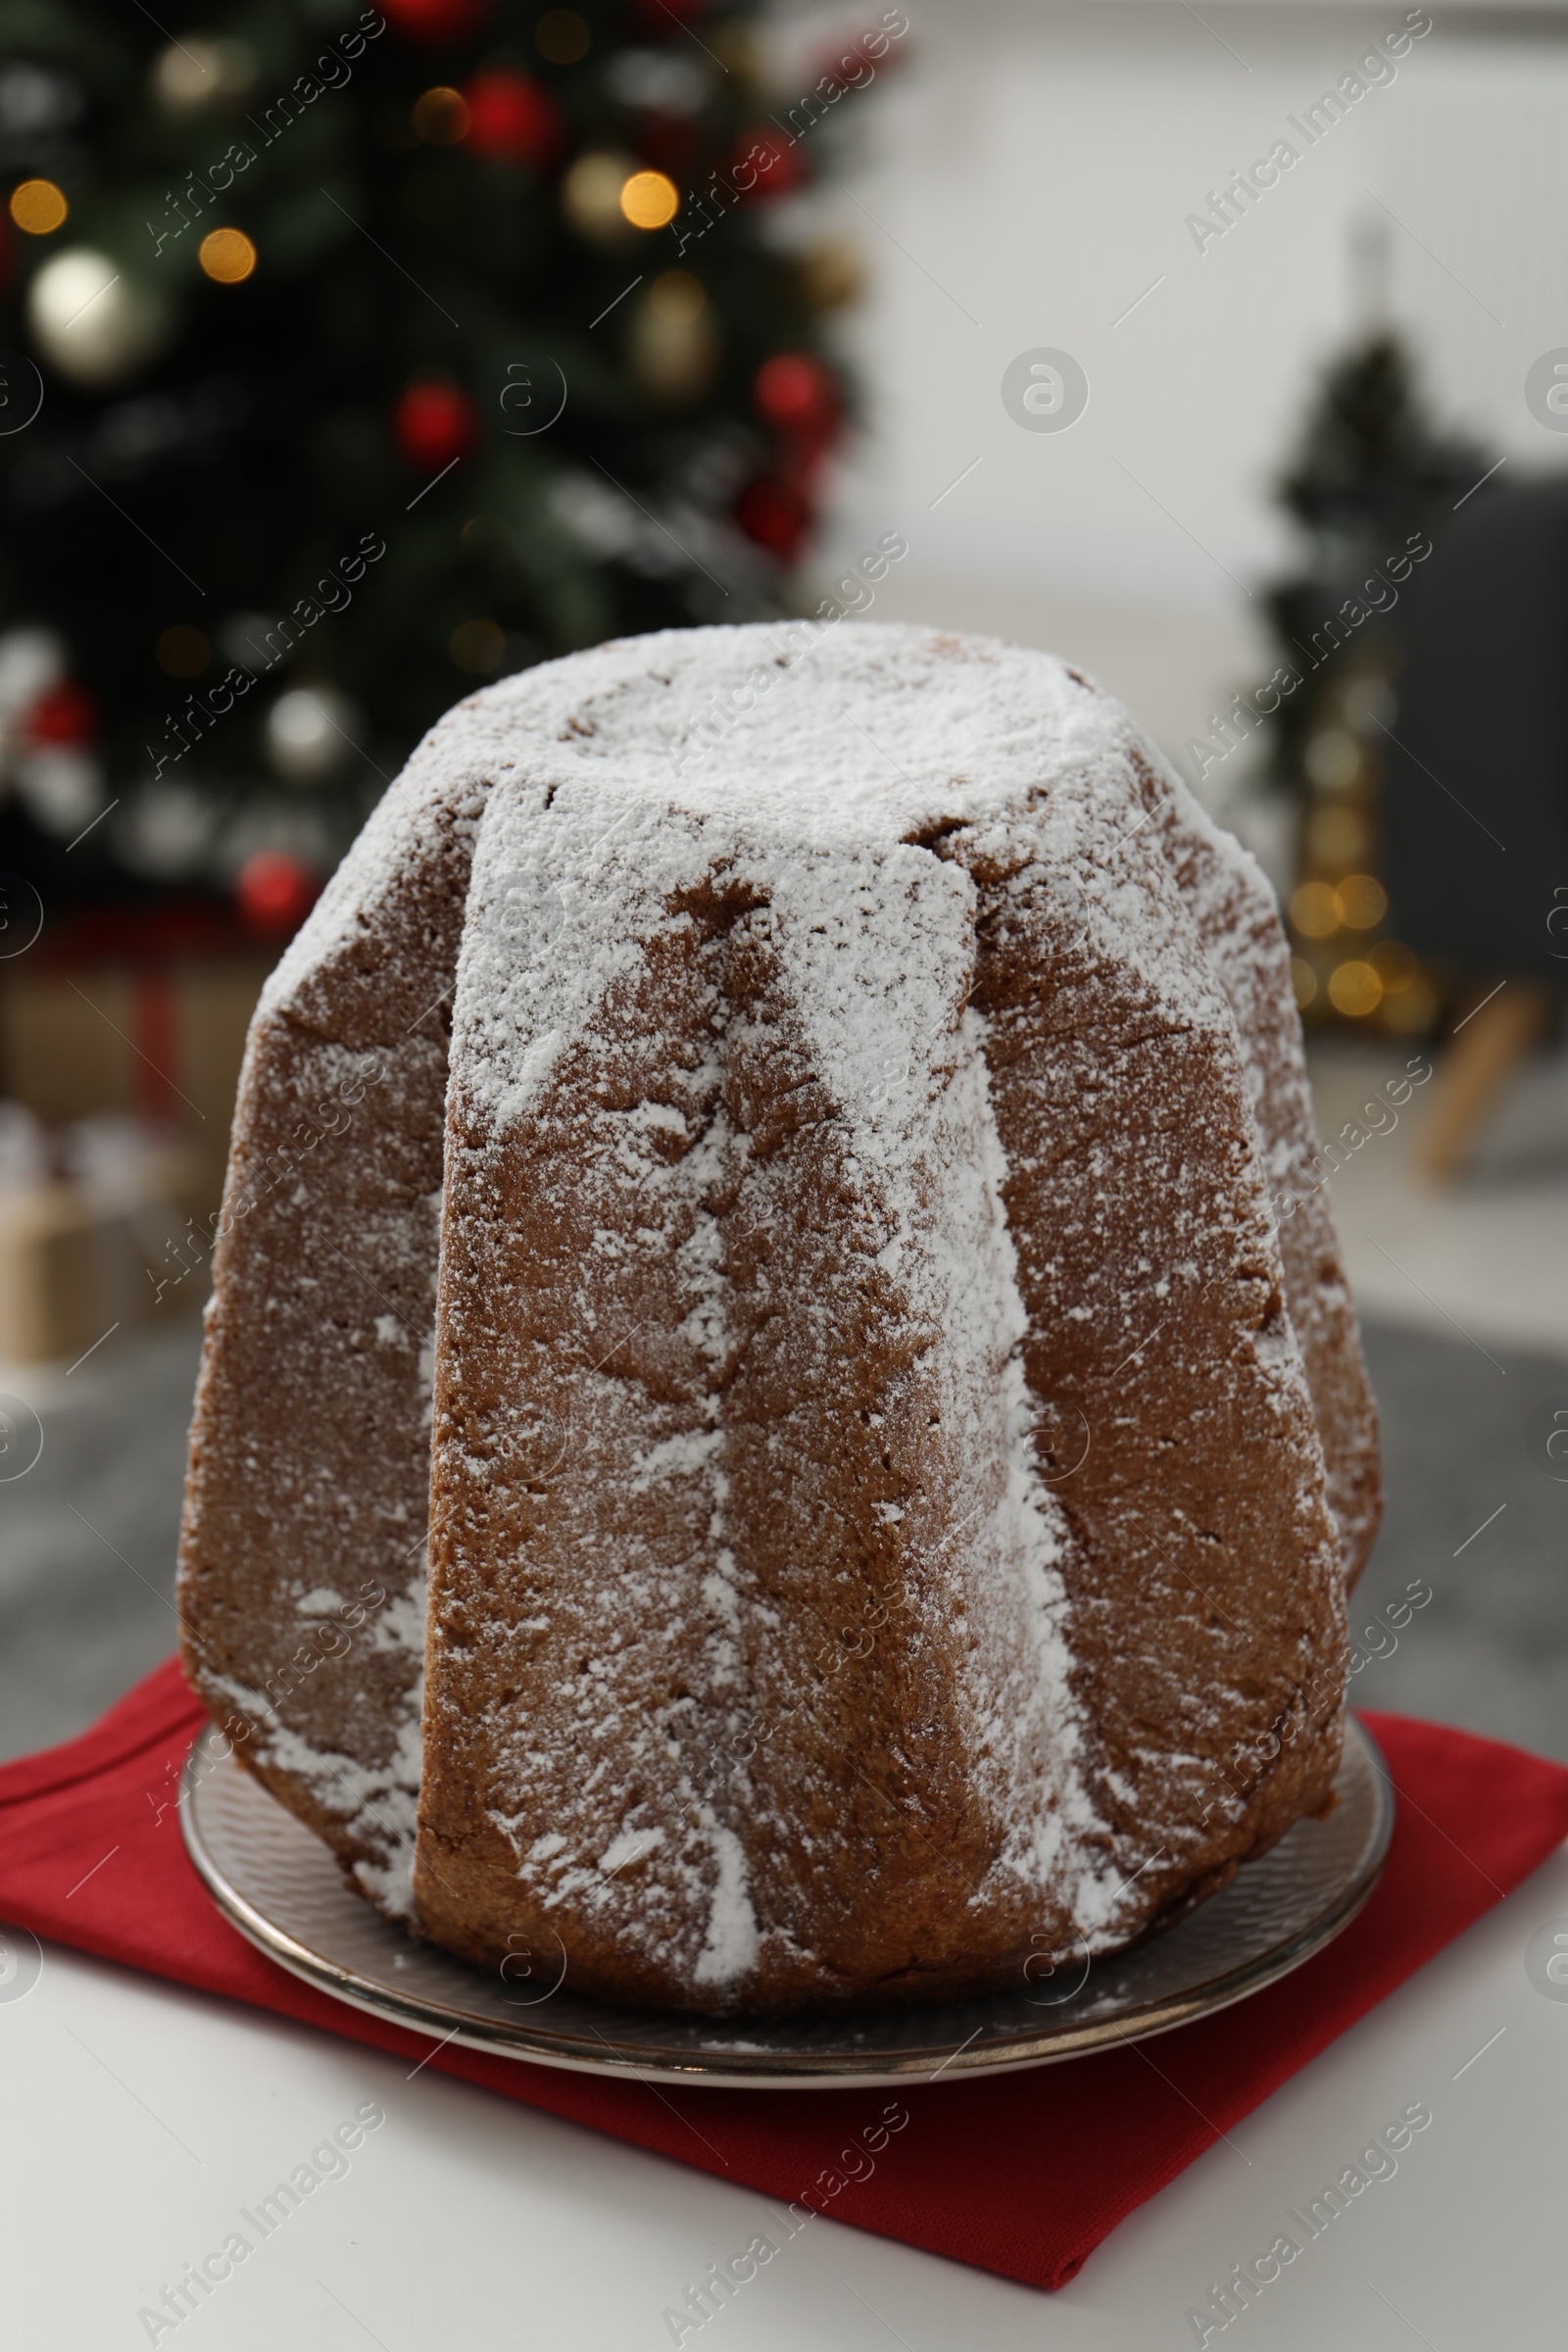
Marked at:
<point>282,1888</point>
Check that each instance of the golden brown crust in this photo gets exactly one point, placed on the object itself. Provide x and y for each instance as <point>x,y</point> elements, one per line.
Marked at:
<point>1204,1577</point>
<point>1238,922</point>
<point>880,1518</point>
<point>302,1551</point>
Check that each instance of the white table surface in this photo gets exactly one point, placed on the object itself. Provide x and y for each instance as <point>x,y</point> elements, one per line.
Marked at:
<point>139,2118</point>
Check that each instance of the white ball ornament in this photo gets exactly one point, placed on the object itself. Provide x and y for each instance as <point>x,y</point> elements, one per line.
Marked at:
<point>198,70</point>
<point>31,661</point>
<point>89,320</point>
<point>62,788</point>
<point>309,733</point>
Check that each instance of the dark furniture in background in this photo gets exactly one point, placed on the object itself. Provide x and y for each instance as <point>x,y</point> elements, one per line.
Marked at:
<point>1475,793</point>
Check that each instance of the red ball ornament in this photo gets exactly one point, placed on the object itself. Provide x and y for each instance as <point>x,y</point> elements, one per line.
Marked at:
<point>274,893</point>
<point>665,18</point>
<point>514,116</point>
<point>434,423</point>
<point>797,394</point>
<point>436,22</point>
<point>765,163</point>
<point>66,713</point>
<point>776,515</point>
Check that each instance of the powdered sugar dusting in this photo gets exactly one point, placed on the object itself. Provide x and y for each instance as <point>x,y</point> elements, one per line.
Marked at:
<point>729,1951</point>
<point>1246,947</point>
<point>874,941</point>
<point>378,1807</point>
<point>729,1385</point>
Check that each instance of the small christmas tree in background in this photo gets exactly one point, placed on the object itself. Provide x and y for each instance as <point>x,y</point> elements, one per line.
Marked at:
<point>1369,484</point>
<point>350,361</point>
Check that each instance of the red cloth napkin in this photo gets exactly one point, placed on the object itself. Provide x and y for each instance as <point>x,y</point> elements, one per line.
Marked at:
<point>1024,2173</point>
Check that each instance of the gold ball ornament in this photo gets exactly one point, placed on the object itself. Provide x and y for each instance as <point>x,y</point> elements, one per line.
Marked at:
<point>673,345</point>
<point>650,200</point>
<point>829,275</point>
<point>590,197</point>
<point>226,256</point>
<point>441,116</point>
<point>740,50</point>
<point>90,320</point>
<point>38,207</point>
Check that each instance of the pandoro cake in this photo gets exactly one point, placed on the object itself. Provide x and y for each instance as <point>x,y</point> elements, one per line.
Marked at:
<point>781,1413</point>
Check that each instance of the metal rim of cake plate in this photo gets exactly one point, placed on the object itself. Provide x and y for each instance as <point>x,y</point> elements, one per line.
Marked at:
<point>283,1890</point>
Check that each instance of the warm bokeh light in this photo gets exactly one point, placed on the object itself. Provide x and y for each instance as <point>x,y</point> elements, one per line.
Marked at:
<point>195,70</point>
<point>478,646</point>
<point>441,116</point>
<point>650,200</point>
<point>1362,902</point>
<point>37,206</point>
<point>1332,759</point>
<point>487,536</point>
<point>829,274</point>
<point>1355,989</point>
<point>1394,965</point>
<point>227,256</point>
<point>672,342</point>
<point>1369,701</point>
<point>561,36</point>
<point>1336,836</point>
<point>677,298</point>
<point>589,195</point>
<point>181,652</point>
<point>1314,909</point>
<point>1412,1011</point>
<point>1303,980</point>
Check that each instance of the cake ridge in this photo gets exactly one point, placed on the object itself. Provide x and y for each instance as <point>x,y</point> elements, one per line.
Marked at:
<point>793,1106</point>
<point>850,1027</point>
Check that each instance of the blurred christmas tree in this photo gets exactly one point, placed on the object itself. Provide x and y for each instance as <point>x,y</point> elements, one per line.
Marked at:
<point>346,362</point>
<point>1370,482</point>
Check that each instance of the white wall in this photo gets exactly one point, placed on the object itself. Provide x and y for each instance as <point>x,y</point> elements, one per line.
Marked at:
<point>1026,178</point>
